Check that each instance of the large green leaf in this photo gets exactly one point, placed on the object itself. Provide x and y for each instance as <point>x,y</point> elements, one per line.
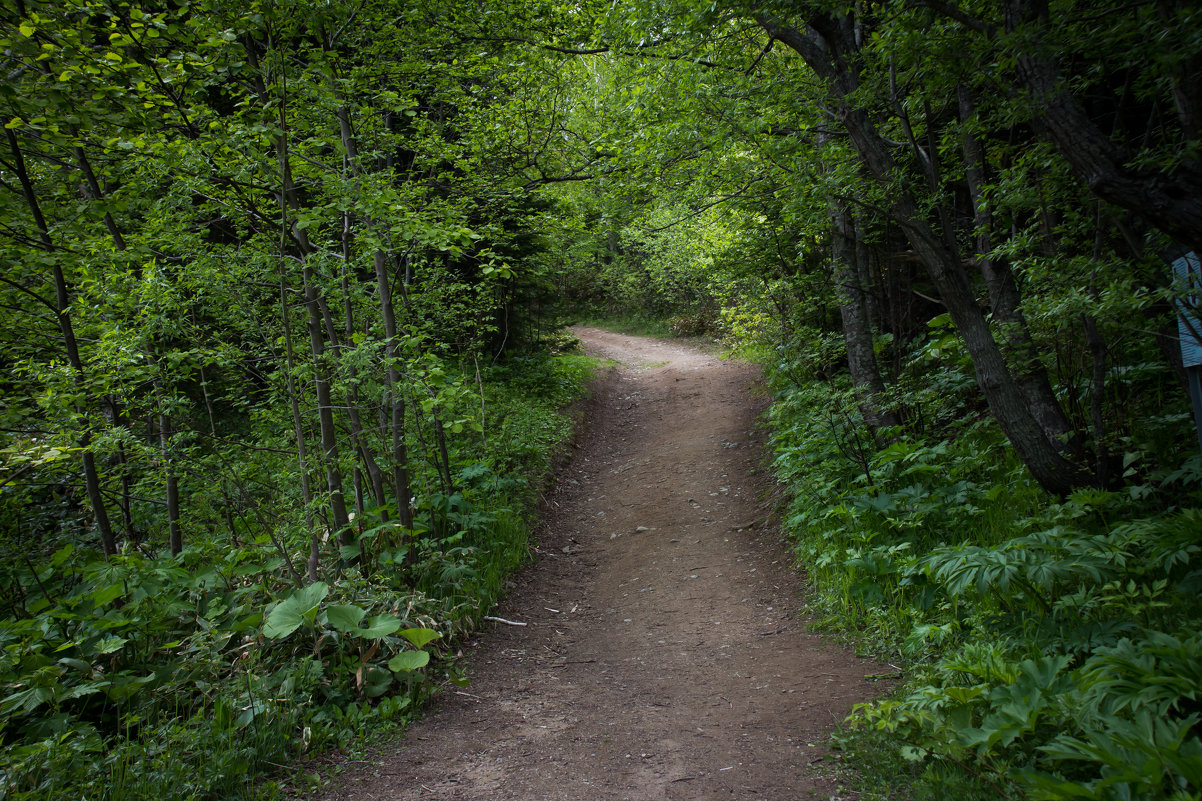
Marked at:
<point>348,617</point>
<point>31,699</point>
<point>289,614</point>
<point>109,644</point>
<point>248,622</point>
<point>406,661</point>
<point>378,682</point>
<point>420,637</point>
<point>110,593</point>
<point>345,617</point>
<point>380,626</point>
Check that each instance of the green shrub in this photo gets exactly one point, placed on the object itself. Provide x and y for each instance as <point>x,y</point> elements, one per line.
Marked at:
<point>148,676</point>
<point>1050,645</point>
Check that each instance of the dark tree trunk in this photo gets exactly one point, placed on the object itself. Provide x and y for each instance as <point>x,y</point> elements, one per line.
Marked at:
<point>313,563</point>
<point>175,541</point>
<point>400,450</point>
<point>62,302</point>
<point>325,413</point>
<point>846,270</point>
<point>1030,374</point>
<point>828,47</point>
<point>290,203</point>
<point>1170,200</point>
<point>124,503</point>
<point>400,453</point>
<point>374,473</point>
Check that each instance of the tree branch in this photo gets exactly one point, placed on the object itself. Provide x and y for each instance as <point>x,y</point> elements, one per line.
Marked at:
<point>705,208</point>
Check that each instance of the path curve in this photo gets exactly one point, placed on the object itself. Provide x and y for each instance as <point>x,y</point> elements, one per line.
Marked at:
<point>664,657</point>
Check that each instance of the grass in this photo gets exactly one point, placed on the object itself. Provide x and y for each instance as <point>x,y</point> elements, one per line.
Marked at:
<point>632,324</point>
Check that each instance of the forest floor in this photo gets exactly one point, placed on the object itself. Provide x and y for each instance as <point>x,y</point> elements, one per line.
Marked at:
<point>663,655</point>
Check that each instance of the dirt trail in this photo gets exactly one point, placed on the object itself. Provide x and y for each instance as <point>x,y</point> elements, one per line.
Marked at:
<point>663,657</point>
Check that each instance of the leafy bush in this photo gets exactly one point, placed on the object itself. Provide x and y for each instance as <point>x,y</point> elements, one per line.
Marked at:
<point>145,675</point>
<point>1051,644</point>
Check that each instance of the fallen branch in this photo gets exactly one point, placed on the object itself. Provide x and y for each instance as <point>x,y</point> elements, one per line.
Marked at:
<point>503,620</point>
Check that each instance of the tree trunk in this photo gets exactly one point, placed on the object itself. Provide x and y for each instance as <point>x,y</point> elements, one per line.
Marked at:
<point>828,48</point>
<point>400,450</point>
<point>175,540</point>
<point>325,413</point>
<point>846,270</point>
<point>444,459</point>
<point>374,473</point>
<point>290,202</point>
<point>298,426</point>
<point>124,504</point>
<point>1170,200</point>
<point>170,479</point>
<point>1031,375</point>
<point>62,314</point>
<point>400,476</point>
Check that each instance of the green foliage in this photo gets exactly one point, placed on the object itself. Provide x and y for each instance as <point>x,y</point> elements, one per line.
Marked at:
<point>189,677</point>
<point>297,609</point>
<point>265,269</point>
<point>1052,644</point>
<point>278,282</point>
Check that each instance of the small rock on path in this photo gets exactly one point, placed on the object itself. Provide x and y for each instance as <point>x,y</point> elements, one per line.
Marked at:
<point>664,657</point>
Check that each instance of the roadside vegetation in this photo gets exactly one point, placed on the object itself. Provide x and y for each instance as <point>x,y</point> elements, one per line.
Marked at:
<point>280,397</point>
<point>1047,646</point>
<point>202,674</point>
<point>281,353</point>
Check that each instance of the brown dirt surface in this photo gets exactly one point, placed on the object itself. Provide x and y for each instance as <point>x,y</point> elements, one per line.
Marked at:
<point>663,655</point>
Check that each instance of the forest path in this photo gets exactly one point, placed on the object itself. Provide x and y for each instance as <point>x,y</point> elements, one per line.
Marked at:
<point>663,656</point>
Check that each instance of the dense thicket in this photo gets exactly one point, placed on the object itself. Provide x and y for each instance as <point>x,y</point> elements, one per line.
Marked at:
<point>274,411</point>
<point>274,274</point>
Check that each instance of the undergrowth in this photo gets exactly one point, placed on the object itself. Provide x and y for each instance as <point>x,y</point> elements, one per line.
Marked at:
<point>1050,647</point>
<point>147,676</point>
<point>632,323</point>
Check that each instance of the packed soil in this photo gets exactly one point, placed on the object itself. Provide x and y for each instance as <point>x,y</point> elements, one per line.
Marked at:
<point>662,654</point>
